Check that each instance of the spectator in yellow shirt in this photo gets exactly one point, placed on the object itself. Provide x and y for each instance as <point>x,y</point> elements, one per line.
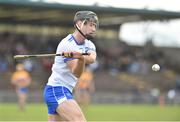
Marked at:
<point>21,79</point>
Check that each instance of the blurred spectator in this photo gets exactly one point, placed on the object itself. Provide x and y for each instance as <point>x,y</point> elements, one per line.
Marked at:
<point>84,88</point>
<point>161,99</point>
<point>21,80</point>
<point>20,49</point>
<point>134,67</point>
<point>171,95</point>
<point>154,92</point>
<point>3,65</point>
<point>28,65</point>
<point>178,83</point>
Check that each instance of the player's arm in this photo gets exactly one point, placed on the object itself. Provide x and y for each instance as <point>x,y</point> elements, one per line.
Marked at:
<point>90,58</point>
<point>92,51</point>
<point>77,65</point>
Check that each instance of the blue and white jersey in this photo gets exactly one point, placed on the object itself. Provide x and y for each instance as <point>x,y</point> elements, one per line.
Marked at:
<point>61,74</point>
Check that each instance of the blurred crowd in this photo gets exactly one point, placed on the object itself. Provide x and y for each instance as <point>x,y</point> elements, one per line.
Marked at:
<point>113,55</point>
<point>15,44</point>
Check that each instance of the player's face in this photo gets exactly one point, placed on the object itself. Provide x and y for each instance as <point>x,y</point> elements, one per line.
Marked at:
<point>90,29</point>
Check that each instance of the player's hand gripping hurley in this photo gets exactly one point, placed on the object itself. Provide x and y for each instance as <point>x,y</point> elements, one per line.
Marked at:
<point>68,55</point>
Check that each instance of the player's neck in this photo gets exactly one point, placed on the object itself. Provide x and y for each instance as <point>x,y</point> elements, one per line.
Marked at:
<point>78,37</point>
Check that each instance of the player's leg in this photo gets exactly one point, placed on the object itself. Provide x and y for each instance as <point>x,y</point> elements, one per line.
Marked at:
<point>22,101</point>
<point>84,100</point>
<point>60,96</point>
<point>22,96</point>
<point>69,110</point>
<point>78,96</point>
<point>54,118</point>
<point>84,97</point>
<point>52,104</point>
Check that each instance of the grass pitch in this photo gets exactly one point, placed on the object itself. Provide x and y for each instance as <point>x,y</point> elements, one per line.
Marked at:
<point>96,112</point>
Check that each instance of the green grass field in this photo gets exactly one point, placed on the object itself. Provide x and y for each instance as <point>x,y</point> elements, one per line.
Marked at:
<point>99,112</point>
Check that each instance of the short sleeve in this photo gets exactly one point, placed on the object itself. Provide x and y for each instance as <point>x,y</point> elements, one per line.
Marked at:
<point>65,46</point>
<point>91,47</point>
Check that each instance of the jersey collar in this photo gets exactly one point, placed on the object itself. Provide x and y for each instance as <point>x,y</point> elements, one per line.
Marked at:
<point>77,41</point>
